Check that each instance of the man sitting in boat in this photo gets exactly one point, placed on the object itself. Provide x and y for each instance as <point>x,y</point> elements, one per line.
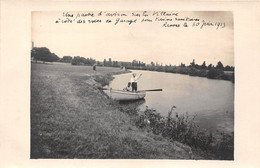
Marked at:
<point>128,87</point>
<point>134,81</point>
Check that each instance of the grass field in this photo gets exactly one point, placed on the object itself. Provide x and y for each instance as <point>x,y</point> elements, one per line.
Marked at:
<point>72,118</point>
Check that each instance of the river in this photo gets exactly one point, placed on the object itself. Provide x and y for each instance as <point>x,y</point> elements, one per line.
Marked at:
<point>212,101</point>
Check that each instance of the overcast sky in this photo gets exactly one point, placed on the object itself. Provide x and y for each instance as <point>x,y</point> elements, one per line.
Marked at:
<point>142,41</point>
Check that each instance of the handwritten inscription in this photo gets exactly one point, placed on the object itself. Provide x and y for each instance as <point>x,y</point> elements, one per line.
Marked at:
<point>164,19</point>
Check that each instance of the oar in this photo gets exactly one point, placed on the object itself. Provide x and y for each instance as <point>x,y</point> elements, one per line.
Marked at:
<point>151,90</point>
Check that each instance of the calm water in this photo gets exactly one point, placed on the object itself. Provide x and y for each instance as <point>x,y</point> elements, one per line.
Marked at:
<point>211,100</point>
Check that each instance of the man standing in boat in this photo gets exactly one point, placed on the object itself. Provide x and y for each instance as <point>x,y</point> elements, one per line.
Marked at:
<point>134,81</point>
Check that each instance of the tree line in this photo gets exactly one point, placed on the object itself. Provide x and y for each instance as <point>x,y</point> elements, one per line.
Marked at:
<point>45,55</point>
<point>210,71</point>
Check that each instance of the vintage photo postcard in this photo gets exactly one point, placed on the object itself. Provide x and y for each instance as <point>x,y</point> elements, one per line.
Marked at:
<point>114,86</point>
<point>132,85</point>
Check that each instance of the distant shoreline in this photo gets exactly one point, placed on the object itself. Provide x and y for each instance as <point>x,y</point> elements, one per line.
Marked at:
<point>213,73</point>
<point>226,75</point>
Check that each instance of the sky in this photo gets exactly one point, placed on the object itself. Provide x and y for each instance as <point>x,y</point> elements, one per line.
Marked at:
<point>144,41</point>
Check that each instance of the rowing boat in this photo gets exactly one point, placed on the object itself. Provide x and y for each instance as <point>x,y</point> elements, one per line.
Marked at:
<point>122,95</point>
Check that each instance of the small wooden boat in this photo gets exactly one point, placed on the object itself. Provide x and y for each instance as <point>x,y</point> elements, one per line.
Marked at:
<point>122,95</point>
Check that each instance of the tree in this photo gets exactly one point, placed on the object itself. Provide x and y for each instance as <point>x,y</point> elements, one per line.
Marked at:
<point>109,63</point>
<point>210,67</point>
<point>67,59</point>
<point>43,54</point>
<point>220,65</point>
<point>105,62</point>
<point>54,57</point>
<point>192,64</point>
<point>182,65</point>
<point>77,60</point>
<point>215,73</point>
<point>203,66</point>
<point>115,64</point>
<point>134,63</point>
<point>228,68</point>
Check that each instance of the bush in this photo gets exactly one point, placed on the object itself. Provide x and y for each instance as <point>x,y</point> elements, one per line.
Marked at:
<point>215,73</point>
<point>193,71</point>
<point>229,77</point>
<point>182,128</point>
<point>103,80</point>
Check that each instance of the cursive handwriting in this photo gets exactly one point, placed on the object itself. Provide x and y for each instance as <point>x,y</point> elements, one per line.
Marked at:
<point>165,18</point>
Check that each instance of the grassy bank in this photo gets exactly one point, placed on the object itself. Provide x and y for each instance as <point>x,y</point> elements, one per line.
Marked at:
<point>72,118</point>
<point>182,128</point>
<point>208,144</point>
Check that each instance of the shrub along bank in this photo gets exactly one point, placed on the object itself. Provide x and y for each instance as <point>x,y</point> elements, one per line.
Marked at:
<point>182,128</point>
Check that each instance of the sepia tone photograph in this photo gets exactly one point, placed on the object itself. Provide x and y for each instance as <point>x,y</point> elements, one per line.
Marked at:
<point>132,85</point>
<point>99,110</point>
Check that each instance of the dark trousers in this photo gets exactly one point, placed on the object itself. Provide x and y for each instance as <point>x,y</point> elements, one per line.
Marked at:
<point>134,86</point>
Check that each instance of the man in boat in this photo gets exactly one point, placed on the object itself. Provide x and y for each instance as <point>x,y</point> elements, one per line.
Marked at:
<point>134,81</point>
<point>128,87</point>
